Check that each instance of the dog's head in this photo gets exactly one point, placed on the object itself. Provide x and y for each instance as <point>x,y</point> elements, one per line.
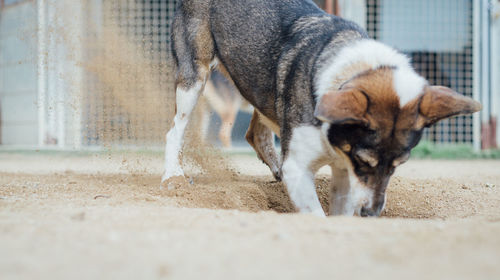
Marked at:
<point>376,118</point>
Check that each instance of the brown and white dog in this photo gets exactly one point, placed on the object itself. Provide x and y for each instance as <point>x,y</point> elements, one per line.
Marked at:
<point>334,96</point>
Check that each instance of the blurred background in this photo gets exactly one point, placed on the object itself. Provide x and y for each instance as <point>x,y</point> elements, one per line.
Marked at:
<point>78,74</point>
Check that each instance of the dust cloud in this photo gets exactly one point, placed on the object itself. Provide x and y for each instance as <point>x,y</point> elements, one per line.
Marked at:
<point>127,95</point>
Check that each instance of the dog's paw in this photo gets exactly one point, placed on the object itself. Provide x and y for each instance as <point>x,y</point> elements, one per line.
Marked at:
<point>277,176</point>
<point>174,183</point>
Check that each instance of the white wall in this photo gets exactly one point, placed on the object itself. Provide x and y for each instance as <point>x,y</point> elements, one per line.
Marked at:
<point>18,74</point>
<point>354,10</point>
<point>425,25</point>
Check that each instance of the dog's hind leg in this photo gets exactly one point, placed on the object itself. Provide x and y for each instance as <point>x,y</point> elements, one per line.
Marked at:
<point>185,102</point>
<point>262,140</point>
<point>193,54</point>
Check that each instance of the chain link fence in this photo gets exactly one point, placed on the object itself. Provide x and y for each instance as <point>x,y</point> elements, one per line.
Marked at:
<point>438,37</point>
<point>130,94</point>
<point>129,90</point>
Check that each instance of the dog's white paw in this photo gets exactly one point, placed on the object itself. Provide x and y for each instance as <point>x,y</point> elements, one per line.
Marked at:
<point>174,182</point>
<point>168,175</point>
<point>172,177</point>
<point>172,170</point>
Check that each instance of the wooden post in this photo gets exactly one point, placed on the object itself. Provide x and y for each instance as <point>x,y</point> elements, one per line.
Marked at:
<point>332,7</point>
<point>336,7</point>
<point>329,6</point>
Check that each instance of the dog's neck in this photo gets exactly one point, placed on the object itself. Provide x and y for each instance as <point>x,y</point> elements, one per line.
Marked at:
<point>351,59</point>
<point>347,73</point>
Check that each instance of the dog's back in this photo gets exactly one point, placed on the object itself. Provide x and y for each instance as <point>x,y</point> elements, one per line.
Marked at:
<point>258,34</point>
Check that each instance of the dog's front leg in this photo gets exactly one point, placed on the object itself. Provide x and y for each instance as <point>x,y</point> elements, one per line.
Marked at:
<point>261,138</point>
<point>304,149</point>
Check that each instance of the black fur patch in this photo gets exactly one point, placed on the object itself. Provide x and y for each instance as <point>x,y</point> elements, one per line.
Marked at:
<point>386,151</point>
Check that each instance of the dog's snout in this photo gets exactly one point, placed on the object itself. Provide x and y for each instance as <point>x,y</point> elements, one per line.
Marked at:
<point>367,212</point>
<point>370,212</point>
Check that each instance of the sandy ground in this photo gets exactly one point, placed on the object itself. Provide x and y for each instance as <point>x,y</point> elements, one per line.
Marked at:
<point>105,216</point>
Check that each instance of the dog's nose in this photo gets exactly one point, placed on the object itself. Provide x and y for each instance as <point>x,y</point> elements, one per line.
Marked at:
<point>368,212</point>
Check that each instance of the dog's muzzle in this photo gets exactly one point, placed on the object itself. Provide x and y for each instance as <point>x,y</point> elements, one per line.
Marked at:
<point>371,212</point>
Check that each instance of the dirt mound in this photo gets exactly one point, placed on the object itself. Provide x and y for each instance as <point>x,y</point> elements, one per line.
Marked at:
<point>418,199</point>
<point>441,198</point>
<point>407,198</point>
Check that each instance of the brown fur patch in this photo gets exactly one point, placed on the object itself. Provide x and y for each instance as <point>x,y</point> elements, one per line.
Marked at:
<point>345,106</point>
<point>368,98</point>
<point>261,138</point>
<point>441,102</point>
<point>436,103</point>
<point>408,120</point>
<point>204,45</point>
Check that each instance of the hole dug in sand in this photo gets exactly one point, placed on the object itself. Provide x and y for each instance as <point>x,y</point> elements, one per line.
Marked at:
<point>407,198</point>
<point>418,199</point>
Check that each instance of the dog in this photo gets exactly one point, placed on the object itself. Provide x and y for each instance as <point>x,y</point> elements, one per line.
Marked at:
<point>333,95</point>
<point>225,100</point>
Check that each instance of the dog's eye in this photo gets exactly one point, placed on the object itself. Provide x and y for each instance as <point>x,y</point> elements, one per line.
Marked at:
<point>346,148</point>
<point>367,157</point>
<point>400,160</point>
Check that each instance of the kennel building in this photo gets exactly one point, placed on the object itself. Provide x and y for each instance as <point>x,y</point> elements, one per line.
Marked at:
<point>76,74</point>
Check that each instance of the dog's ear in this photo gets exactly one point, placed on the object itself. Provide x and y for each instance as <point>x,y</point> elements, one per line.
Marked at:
<point>439,103</point>
<point>346,106</point>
